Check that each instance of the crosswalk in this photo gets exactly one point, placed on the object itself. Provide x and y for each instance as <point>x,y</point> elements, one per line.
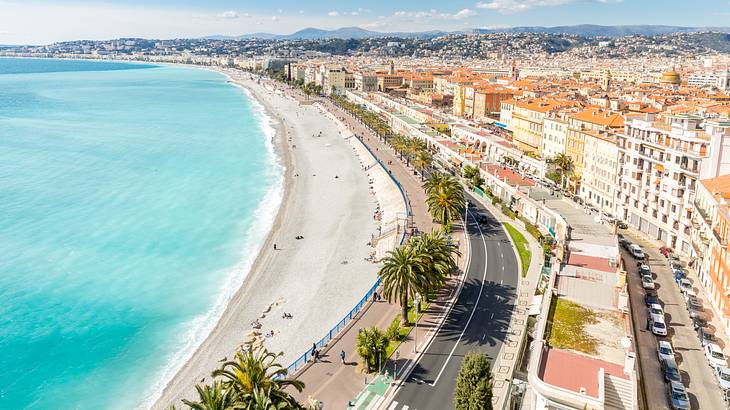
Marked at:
<point>369,400</point>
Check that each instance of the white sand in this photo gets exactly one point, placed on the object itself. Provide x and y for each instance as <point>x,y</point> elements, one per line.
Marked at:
<point>317,279</point>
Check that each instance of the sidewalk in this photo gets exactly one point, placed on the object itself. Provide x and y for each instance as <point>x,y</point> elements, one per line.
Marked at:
<point>336,384</point>
<point>503,367</point>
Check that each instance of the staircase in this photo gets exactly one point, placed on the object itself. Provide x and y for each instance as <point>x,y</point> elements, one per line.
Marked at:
<point>618,393</point>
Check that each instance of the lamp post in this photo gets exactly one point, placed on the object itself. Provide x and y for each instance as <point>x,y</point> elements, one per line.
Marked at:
<point>418,306</point>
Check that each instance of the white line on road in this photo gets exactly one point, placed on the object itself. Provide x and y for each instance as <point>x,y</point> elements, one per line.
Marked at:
<point>405,407</point>
<point>466,326</point>
<point>393,405</point>
<point>501,280</point>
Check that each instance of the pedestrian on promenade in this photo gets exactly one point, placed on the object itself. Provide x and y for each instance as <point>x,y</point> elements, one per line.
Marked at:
<point>274,246</point>
<point>342,356</point>
<point>375,296</point>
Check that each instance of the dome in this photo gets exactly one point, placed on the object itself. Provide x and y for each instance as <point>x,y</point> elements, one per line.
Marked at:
<point>669,77</point>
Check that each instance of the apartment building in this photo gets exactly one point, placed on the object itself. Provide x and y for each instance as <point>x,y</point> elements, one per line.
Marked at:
<point>387,82</point>
<point>661,162</point>
<point>600,175</point>
<point>555,132</point>
<point>711,223</point>
<point>582,125</point>
<point>483,101</point>
<point>366,81</point>
<point>333,79</point>
<point>527,119</point>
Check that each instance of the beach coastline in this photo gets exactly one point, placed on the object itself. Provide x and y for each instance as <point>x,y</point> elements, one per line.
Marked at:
<point>298,277</point>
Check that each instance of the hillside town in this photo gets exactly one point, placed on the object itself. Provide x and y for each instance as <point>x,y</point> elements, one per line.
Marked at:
<point>617,151</point>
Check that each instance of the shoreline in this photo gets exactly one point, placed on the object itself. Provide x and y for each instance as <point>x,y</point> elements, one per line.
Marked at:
<point>343,293</point>
<point>281,164</point>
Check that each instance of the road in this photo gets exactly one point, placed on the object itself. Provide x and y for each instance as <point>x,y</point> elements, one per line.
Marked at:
<point>697,376</point>
<point>477,322</point>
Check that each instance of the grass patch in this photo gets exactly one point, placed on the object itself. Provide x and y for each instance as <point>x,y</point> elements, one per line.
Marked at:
<point>567,329</point>
<point>523,248</point>
<point>404,330</point>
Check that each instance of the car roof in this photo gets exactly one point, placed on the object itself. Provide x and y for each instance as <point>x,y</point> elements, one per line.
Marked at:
<point>713,346</point>
<point>657,318</point>
<point>655,306</point>
<point>676,385</point>
<point>670,362</point>
<point>665,343</point>
<point>722,369</point>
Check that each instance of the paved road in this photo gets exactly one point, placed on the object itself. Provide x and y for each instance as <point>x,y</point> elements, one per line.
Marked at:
<point>478,321</point>
<point>695,371</point>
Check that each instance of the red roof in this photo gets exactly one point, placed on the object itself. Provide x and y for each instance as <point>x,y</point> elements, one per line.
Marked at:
<point>513,178</point>
<point>590,262</point>
<point>571,371</point>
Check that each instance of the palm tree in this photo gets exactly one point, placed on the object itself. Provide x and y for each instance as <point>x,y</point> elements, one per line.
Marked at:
<point>445,199</point>
<point>213,397</point>
<point>402,274</point>
<point>565,165</point>
<point>421,161</point>
<point>436,253</point>
<point>434,182</point>
<point>371,344</point>
<point>256,372</point>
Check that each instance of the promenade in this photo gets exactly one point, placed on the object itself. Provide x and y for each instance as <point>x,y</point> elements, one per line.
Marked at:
<point>336,384</point>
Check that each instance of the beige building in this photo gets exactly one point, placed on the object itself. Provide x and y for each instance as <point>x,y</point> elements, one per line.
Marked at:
<point>599,180</point>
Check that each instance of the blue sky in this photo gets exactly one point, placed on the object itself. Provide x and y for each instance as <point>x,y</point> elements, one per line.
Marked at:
<point>45,21</point>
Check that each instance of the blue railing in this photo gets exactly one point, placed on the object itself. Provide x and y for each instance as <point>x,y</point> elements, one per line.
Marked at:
<point>303,359</point>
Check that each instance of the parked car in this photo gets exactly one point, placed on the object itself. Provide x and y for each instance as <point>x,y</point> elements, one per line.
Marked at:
<point>679,274</point>
<point>665,251</point>
<point>687,295</point>
<point>664,350</point>
<point>656,310</point>
<point>644,270</point>
<point>722,374</point>
<point>699,322</point>
<point>670,371</point>
<point>714,355</point>
<point>685,285</point>
<point>647,282</point>
<point>677,396</point>
<point>626,244</point>
<point>694,307</point>
<point>658,327</point>
<point>706,338</point>
<point>481,218</point>
<point>636,252</point>
<point>650,299</point>
<point>622,225</point>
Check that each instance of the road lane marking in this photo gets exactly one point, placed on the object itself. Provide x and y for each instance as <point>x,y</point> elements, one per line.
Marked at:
<point>393,405</point>
<point>481,290</point>
<point>405,407</point>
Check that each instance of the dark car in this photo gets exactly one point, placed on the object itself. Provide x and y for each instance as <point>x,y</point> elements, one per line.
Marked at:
<point>481,218</point>
<point>670,371</point>
<point>622,225</point>
<point>705,336</point>
<point>626,244</point>
<point>650,299</point>
<point>699,322</point>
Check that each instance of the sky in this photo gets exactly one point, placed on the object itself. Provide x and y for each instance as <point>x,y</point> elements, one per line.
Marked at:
<point>47,21</point>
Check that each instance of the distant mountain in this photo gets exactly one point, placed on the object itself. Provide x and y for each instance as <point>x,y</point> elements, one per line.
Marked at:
<point>586,30</point>
<point>591,30</point>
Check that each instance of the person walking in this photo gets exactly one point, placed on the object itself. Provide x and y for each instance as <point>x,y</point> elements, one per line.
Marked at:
<point>342,356</point>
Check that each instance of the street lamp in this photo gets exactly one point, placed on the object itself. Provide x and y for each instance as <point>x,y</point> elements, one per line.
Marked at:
<point>418,306</point>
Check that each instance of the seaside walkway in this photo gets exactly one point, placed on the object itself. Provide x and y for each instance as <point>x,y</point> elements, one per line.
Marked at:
<point>336,384</point>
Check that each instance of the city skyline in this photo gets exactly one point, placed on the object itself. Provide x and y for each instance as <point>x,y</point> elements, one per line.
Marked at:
<point>37,22</point>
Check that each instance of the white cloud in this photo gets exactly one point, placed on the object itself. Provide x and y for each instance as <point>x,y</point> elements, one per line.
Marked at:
<point>435,15</point>
<point>274,18</point>
<point>230,14</point>
<point>333,13</point>
<point>516,6</point>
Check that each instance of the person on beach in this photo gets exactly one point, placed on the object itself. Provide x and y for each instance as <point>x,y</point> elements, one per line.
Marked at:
<point>274,246</point>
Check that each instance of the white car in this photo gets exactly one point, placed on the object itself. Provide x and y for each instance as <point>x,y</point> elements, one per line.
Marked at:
<point>636,252</point>
<point>655,310</point>
<point>722,374</point>
<point>647,282</point>
<point>685,285</point>
<point>658,327</point>
<point>715,356</point>
<point>664,350</point>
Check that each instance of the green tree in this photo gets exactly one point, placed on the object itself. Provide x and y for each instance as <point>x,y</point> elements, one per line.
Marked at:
<point>402,273</point>
<point>565,166</point>
<point>422,161</point>
<point>214,397</point>
<point>445,199</point>
<point>470,172</point>
<point>371,344</point>
<point>436,255</point>
<point>257,381</point>
<point>474,384</point>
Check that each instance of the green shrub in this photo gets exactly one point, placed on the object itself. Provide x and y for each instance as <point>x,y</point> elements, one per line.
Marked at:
<point>393,331</point>
<point>508,212</point>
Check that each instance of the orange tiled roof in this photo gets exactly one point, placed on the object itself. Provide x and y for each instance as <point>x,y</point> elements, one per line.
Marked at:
<point>600,117</point>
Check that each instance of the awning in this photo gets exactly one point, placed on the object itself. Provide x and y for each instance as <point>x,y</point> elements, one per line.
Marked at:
<point>535,305</point>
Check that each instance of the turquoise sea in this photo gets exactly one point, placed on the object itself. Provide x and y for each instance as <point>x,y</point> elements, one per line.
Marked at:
<point>133,198</point>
